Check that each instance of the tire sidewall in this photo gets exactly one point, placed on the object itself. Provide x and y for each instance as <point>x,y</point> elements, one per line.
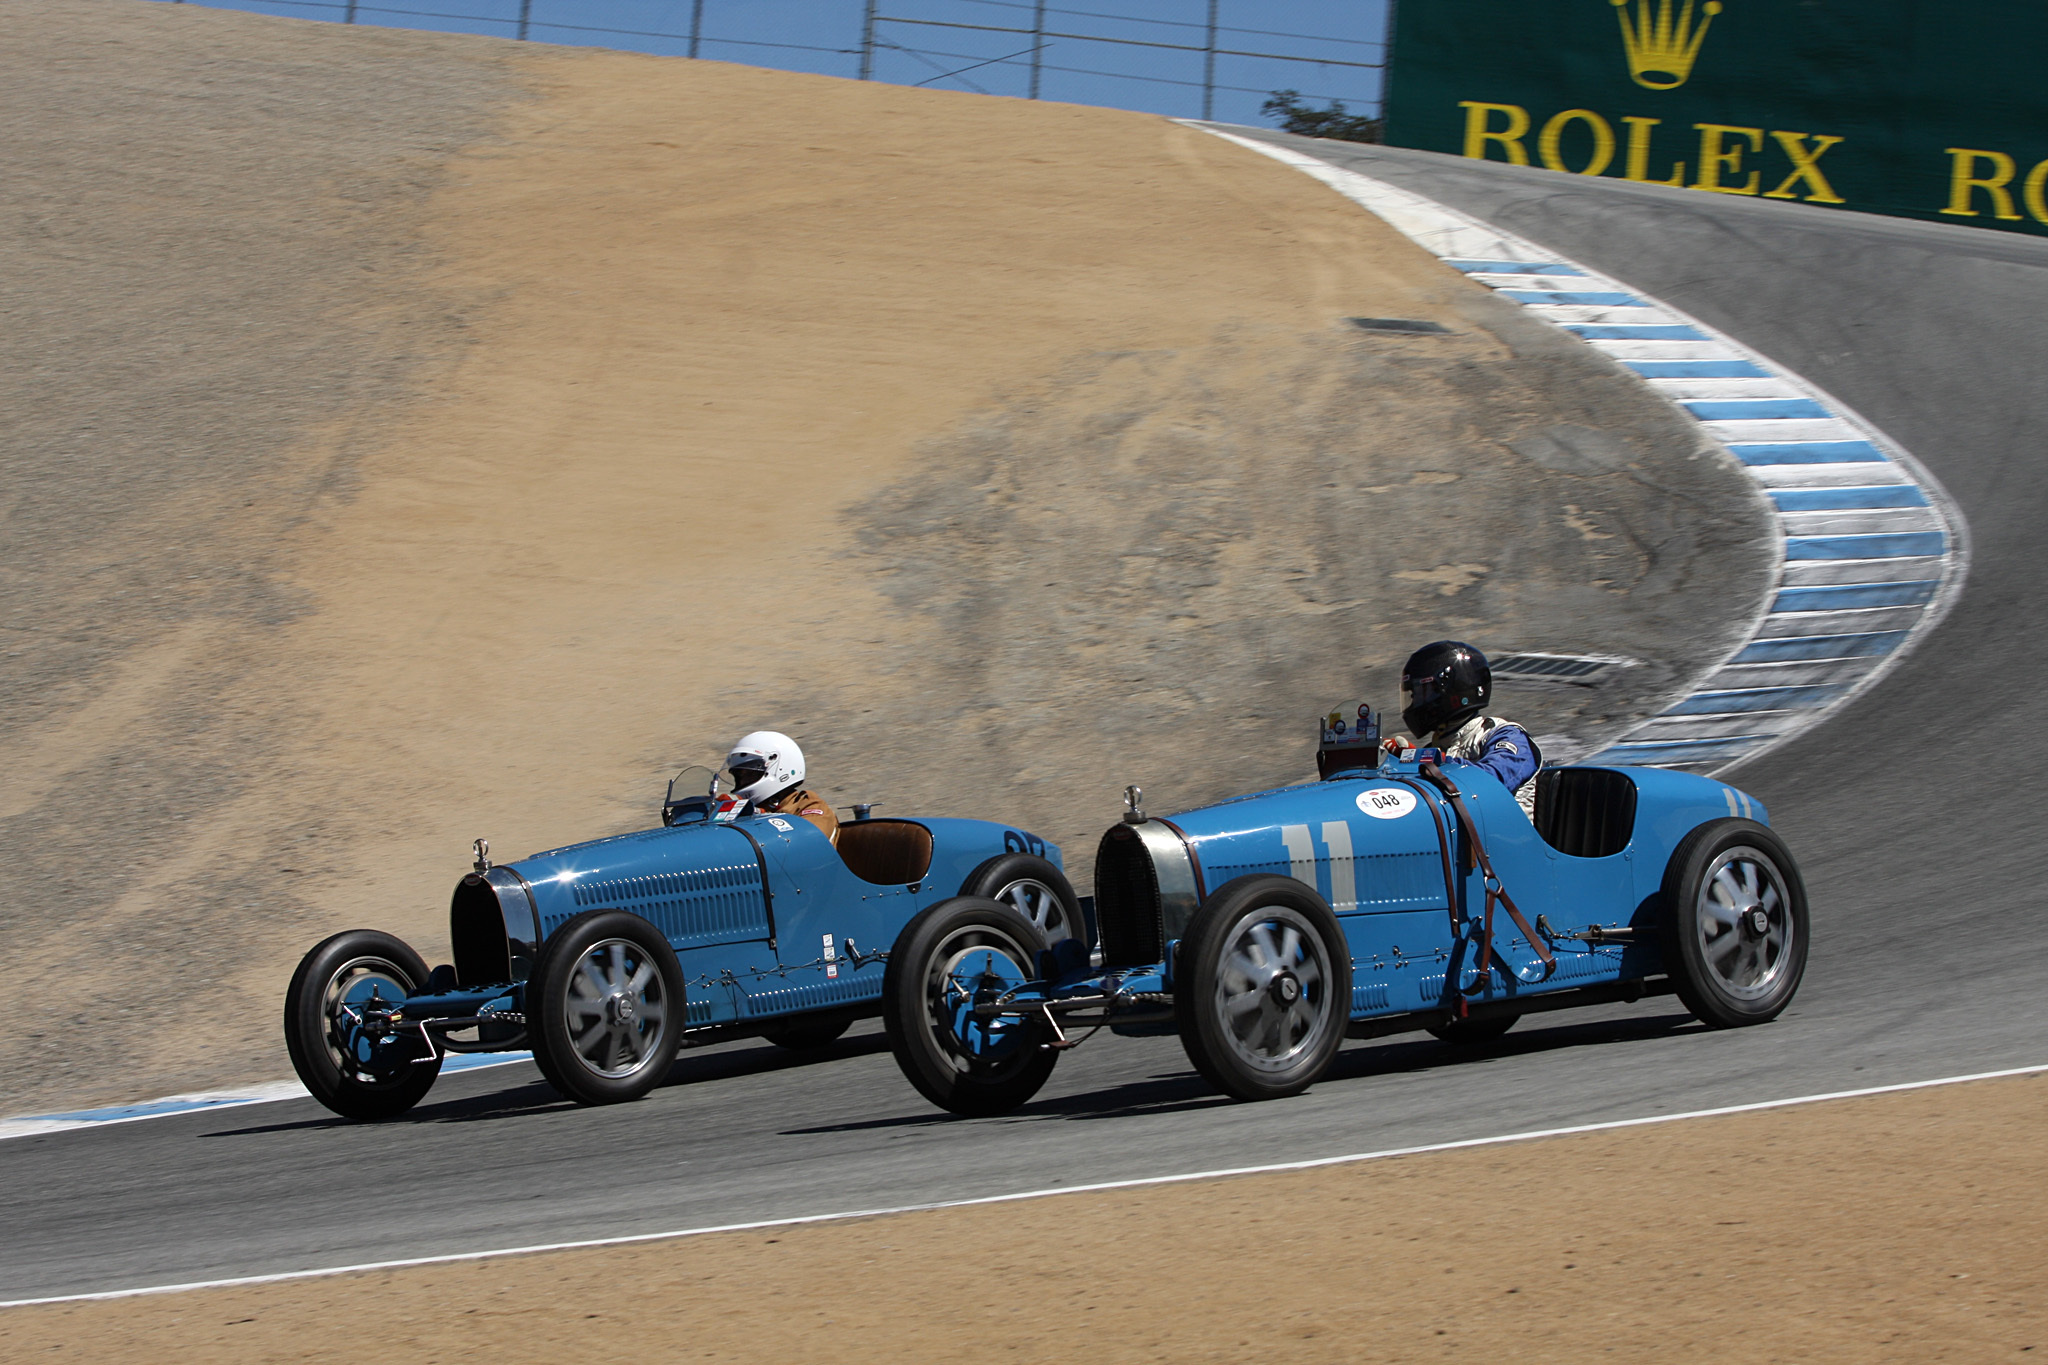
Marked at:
<point>305,1026</point>
<point>554,1050</point>
<point>1007,868</point>
<point>906,1019</point>
<point>1203,1034</point>
<point>1696,983</point>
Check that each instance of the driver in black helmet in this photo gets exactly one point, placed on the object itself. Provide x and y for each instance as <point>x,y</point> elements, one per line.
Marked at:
<point>1444,687</point>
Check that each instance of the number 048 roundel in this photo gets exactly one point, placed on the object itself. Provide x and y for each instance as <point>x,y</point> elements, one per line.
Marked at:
<point>1386,803</point>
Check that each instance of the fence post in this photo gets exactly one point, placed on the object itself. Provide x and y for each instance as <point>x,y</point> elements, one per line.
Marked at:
<point>696,25</point>
<point>1037,45</point>
<point>1209,68</point>
<point>525,13</point>
<point>348,15</point>
<point>867,42</point>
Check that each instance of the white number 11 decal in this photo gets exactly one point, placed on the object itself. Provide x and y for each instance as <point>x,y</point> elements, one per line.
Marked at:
<point>1301,859</point>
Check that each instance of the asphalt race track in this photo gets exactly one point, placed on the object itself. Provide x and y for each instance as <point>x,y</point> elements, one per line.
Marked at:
<point>1914,813</point>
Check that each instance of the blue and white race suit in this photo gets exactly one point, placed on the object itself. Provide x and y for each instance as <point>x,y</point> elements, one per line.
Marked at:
<point>1501,747</point>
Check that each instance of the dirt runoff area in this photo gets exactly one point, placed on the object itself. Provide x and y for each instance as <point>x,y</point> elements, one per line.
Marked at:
<point>415,437</point>
<point>1902,1227</point>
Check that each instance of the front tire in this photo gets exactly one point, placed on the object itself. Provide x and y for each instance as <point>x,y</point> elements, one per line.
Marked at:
<point>1035,889</point>
<point>605,1007</point>
<point>1735,923</point>
<point>1262,989</point>
<point>338,976</point>
<point>953,955</point>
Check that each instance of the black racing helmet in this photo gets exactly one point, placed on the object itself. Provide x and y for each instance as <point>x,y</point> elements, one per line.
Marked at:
<point>1442,685</point>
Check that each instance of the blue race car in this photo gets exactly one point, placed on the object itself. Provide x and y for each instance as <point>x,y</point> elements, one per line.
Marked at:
<point>605,957</point>
<point>1393,895</point>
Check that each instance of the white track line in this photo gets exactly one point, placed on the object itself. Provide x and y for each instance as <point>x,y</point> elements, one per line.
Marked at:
<point>1107,1185</point>
<point>1864,531</point>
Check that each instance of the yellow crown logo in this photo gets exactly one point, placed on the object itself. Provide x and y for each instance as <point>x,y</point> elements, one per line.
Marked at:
<point>1661,48</point>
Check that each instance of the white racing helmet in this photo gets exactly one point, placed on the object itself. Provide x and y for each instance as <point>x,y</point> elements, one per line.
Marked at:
<point>764,765</point>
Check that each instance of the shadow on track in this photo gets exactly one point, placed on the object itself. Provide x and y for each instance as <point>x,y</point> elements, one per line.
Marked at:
<point>535,1096</point>
<point>1181,1092</point>
<point>1414,1056</point>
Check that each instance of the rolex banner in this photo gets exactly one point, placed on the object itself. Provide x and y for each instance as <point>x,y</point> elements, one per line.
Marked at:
<point>1931,109</point>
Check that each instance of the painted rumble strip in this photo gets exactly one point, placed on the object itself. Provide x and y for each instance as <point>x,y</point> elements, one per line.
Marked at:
<point>1872,551</point>
<point>32,1125</point>
<point>1276,1168</point>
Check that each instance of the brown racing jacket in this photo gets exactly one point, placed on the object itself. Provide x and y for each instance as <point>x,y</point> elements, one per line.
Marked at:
<point>811,808</point>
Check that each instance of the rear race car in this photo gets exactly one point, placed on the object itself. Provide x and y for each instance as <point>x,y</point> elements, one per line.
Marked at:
<point>605,957</point>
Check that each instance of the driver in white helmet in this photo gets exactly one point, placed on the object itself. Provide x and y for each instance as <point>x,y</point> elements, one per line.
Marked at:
<point>768,769</point>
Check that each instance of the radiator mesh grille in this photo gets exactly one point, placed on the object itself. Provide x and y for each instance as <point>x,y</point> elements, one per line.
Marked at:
<point>1127,901</point>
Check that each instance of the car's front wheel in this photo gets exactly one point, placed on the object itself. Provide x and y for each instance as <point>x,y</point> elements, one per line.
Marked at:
<point>958,954</point>
<point>322,1005</point>
<point>1735,923</point>
<point>605,1007</point>
<point>1262,988</point>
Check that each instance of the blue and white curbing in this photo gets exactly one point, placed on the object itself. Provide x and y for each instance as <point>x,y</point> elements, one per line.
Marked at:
<point>1872,550</point>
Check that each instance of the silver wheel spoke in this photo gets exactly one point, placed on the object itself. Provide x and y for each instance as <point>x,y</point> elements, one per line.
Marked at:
<point>1237,1006</point>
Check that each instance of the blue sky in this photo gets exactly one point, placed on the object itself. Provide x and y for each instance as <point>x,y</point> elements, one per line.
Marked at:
<point>1077,63</point>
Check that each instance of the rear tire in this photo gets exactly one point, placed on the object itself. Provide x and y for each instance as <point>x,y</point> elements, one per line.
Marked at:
<point>605,1007</point>
<point>1035,889</point>
<point>1262,988</point>
<point>953,954</point>
<point>344,971</point>
<point>1735,923</point>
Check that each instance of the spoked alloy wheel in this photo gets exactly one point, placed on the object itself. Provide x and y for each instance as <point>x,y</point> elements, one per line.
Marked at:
<point>606,1007</point>
<point>960,953</point>
<point>323,1003</point>
<point>1262,990</point>
<point>1744,932</point>
<point>1035,889</point>
<point>1736,933</point>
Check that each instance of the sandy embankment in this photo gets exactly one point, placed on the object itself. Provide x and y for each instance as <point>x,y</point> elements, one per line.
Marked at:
<point>426,437</point>
<point>1902,1227</point>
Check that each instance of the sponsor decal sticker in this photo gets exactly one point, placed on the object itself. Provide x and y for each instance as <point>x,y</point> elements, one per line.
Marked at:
<point>781,824</point>
<point>1386,803</point>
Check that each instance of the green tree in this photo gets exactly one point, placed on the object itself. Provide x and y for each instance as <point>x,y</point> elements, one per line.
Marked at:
<point>1333,122</point>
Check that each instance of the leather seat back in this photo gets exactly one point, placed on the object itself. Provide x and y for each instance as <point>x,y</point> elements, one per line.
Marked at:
<point>886,852</point>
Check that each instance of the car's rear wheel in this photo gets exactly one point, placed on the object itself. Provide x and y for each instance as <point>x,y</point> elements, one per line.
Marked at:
<point>1035,889</point>
<point>953,956</point>
<point>1735,923</point>
<point>321,1005</point>
<point>605,1007</point>
<point>1262,988</point>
